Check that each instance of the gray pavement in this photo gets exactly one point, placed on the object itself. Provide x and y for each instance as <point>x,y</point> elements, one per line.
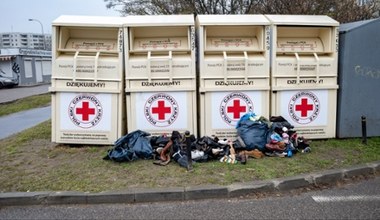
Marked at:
<point>17,122</point>
<point>11,94</point>
<point>354,200</point>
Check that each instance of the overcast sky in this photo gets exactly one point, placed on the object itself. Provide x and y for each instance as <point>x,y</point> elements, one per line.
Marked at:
<point>14,14</point>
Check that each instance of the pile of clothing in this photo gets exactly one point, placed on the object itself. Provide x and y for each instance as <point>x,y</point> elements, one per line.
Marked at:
<point>256,137</point>
<point>283,140</point>
<point>273,137</point>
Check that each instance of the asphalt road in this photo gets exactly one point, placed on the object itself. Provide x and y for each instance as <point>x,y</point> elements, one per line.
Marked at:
<point>359,200</point>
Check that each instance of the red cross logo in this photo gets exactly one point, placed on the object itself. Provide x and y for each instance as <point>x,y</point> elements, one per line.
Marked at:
<point>161,110</point>
<point>236,109</point>
<point>304,107</point>
<point>85,111</point>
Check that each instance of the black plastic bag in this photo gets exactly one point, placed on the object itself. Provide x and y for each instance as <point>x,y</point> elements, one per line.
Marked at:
<point>119,154</point>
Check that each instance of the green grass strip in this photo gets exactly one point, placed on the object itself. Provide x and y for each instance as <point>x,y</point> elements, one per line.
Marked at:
<point>25,104</point>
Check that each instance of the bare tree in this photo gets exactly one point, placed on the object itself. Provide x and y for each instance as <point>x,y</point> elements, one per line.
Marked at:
<point>351,11</point>
<point>341,10</point>
<point>295,6</point>
<point>143,7</point>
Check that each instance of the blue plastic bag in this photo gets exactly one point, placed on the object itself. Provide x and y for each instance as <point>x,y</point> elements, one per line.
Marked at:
<point>131,147</point>
<point>253,133</point>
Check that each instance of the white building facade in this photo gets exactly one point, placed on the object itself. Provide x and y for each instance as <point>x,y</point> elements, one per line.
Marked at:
<point>25,40</point>
<point>26,55</point>
<point>30,65</point>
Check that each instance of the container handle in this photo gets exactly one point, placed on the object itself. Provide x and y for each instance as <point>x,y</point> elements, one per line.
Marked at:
<point>76,56</point>
<point>225,63</point>
<point>298,68</point>
<point>245,67</point>
<point>96,66</point>
<point>317,66</point>
<point>168,58</point>
<point>75,66</point>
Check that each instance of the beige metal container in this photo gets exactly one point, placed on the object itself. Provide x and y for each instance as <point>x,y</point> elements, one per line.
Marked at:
<point>304,72</point>
<point>87,80</point>
<point>160,73</point>
<point>233,70</point>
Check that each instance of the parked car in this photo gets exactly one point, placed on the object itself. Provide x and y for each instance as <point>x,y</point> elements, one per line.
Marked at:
<point>6,81</point>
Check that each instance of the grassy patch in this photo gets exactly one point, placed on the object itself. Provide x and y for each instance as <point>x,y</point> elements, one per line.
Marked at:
<point>25,104</point>
<point>14,144</point>
<point>29,161</point>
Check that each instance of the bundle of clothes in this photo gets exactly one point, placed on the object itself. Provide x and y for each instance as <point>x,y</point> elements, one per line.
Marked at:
<point>256,137</point>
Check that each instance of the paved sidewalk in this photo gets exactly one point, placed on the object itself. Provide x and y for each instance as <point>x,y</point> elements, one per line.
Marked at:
<point>8,95</point>
<point>17,122</point>
<point>20,121</point>
<point>329,177</point>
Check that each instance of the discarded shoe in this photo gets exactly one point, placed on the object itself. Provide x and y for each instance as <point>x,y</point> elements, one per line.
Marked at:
<point>159,149</point>
<point>231,160</point>
<point>283,154</point>
<point>195,154</point>
<point>306,150</point>
<point>216,151</point>
<point>280,146</point>
<point>223,159</point>
<point>254,153</point>
<point>243,158</point>
<point>275,154</point>
<point>165,152</point>
<point>223,142</point>
<point>162,163</point>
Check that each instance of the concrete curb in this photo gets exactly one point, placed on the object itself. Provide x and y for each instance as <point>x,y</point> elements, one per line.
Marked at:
<point>189,193</point>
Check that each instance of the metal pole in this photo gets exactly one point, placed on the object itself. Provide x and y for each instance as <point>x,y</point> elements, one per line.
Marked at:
<point>42,29</point>
<point>364,130</point>
<point>188,151</point>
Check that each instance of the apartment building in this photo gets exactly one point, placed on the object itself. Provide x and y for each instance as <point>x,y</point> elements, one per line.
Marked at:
<point>25,40</point>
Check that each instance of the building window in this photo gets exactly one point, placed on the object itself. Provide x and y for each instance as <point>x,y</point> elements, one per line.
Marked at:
<point>362,2</point>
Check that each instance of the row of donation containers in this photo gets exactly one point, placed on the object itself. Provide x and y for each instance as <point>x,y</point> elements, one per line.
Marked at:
<point>113,75</point>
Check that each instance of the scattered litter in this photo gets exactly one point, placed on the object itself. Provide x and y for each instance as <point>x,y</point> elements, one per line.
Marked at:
<point>257,137</point>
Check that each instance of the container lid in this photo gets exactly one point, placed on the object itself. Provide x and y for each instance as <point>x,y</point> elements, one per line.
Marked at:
<point>232,20</point>
<point>89,21</point>
<point>159,20</point>
<point>353,25</point>
<point>307,20</point>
